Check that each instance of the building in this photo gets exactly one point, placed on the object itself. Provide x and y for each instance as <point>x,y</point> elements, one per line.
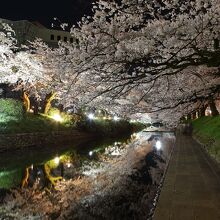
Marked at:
<point>28,31</point>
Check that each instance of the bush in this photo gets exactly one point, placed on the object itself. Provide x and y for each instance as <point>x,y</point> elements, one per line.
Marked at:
<point>53,111</point>
<point>10,109</point>
<point>108,127</point>
<point>67,119</point>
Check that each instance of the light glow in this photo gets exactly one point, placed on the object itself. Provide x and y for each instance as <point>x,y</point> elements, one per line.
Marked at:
<point>115,118</point>
<point>91,116</point>
<point>132,121</point>
<point>90,153</point>
<point>69,164</point>
<point>158,145</point>
<point>56,160</point>
<point>57,117</point>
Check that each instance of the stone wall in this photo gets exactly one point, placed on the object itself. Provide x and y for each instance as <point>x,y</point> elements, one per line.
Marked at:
<point>11,142</point>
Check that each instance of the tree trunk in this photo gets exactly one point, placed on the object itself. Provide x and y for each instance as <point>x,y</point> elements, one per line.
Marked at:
<point>26,102</point>
<point>52,180</point>
<point>35,104</point>
<point>202,111</point>
<point>213,108</point>
<point>50,97</point>
<point>24,181</point>
<point>189,117</point>
<point>194,115</point>
<point>216,44</point>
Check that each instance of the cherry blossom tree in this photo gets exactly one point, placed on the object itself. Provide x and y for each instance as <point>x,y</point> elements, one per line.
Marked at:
<point>24,67</point>
<point>163,58</point>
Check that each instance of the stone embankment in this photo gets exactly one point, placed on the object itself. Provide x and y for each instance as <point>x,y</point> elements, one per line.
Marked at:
<point>10,142</point>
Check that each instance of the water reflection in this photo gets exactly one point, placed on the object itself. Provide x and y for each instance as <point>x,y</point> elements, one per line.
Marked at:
<point>42,165</point>
<point>119,179</point>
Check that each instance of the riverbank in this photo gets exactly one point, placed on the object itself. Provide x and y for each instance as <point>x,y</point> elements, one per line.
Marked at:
<point>118,183</point>
<point>19,129</point>
<point>11,142</point>
<point>56,133</point>
<point>206,130</point>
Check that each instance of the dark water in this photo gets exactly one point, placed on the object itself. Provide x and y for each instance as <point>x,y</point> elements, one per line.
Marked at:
<point>127,189</point>
<point>13,164</point>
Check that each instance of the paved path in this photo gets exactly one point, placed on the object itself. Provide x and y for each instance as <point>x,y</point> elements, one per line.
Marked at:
<point>191,188</point>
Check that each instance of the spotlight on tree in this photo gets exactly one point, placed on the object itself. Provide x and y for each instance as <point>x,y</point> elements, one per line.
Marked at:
<point>56,160</point>
<point>57,117</point>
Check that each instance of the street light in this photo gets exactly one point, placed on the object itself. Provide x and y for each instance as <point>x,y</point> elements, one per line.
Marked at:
<point>91,116</point>
<point>115,118</point>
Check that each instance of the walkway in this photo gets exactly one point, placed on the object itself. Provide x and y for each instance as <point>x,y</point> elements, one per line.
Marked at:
<point>191,189</point>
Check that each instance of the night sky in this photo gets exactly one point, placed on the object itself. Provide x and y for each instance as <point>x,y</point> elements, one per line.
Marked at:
<point>43,11</point>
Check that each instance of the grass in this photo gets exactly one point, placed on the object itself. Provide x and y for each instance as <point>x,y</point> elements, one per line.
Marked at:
<point>14,120</point>
<point>207,131</point>
<point>41,123</point>
<point>32,123</point>
<point>9,179</point>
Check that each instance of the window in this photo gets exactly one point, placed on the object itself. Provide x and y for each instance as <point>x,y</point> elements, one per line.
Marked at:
<point>71,40</point>
<point>52,37</point>
<point>65,39</point>
<point>58,37</point>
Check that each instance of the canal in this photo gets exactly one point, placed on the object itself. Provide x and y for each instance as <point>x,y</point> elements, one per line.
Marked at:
<point>105,179</point>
